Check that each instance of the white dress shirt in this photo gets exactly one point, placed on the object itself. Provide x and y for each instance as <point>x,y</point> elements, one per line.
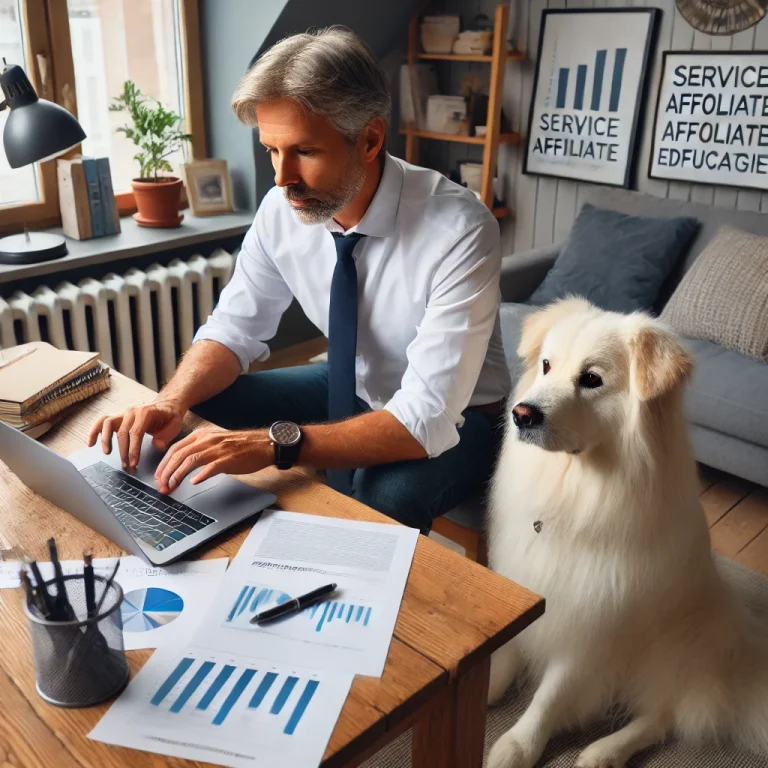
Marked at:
<point>428,340</point>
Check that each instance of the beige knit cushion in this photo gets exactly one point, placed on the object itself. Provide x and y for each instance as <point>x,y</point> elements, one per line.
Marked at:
<point>724,296</point>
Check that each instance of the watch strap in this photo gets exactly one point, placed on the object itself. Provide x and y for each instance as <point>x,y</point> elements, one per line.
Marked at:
<point>286,455</point>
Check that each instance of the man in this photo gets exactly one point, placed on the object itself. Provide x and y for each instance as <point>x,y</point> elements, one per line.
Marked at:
<point>398,266</point>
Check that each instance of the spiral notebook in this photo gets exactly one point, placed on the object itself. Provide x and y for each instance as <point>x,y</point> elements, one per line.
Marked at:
<point>37,381</point>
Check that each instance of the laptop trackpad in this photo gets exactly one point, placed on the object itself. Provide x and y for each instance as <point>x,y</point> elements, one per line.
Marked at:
<point>229,494</point>
<point>145,472</point>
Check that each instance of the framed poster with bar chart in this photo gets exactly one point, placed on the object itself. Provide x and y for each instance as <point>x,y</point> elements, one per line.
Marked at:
<point>588,94</point>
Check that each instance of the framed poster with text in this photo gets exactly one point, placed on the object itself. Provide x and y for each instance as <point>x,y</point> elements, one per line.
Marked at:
<point>711,124</point>
<point>588,93</point>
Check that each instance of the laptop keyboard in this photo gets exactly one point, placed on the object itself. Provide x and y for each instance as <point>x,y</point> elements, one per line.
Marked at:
<point>148,515</point>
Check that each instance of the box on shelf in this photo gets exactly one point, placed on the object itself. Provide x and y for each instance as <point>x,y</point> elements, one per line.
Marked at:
<point>86,198</point>
<point>474,42</point>
<point>447,114</point>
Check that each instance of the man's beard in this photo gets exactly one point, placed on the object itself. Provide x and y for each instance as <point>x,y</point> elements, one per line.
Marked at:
<point>325,204</point>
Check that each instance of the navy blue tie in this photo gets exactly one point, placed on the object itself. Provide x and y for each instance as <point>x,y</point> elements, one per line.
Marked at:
<point>342,344</point>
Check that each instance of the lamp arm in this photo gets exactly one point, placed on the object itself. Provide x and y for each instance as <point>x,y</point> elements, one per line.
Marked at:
<point>3,105</point>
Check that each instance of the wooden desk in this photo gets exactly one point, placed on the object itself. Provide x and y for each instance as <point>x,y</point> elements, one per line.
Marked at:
<point>454,614</point>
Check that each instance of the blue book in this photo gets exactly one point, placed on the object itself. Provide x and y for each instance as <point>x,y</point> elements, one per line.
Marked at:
<point>108,204</point>
<point>94,196</point>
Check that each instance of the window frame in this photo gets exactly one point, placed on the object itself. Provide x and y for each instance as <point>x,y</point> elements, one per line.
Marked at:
<point>45,212</point>
<point>46,28</point>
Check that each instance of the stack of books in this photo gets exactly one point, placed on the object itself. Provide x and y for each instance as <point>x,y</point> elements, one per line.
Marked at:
<point>86,198</point>
<point>38,382</point>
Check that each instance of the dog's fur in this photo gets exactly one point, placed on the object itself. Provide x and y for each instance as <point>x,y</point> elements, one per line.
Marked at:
<point>637,615</point>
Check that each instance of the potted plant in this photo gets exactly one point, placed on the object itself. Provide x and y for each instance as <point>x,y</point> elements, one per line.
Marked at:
<point>155,131</point>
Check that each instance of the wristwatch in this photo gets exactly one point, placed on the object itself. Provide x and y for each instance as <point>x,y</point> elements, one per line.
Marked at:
<point>286,437</point>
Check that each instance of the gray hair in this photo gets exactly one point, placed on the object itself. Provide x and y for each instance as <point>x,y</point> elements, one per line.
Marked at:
<point>331,72</point>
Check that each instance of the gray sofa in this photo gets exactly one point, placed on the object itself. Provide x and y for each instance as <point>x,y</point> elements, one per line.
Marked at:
<point>727,398</point>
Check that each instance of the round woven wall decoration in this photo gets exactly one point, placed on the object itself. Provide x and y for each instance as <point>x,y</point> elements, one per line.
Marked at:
<point>722,17</point>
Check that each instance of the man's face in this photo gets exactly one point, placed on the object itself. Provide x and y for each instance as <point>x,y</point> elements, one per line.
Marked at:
<point>318,169</point>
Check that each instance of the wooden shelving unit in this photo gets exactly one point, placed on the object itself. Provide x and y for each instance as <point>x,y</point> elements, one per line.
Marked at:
<point>511,56</point>
<point>498,60</point>
<point>504,138</point>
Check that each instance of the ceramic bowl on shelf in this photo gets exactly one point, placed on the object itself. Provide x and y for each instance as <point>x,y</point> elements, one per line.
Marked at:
<point>438,33</point>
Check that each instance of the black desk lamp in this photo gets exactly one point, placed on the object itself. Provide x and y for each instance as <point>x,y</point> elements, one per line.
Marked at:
<point>35,130</point>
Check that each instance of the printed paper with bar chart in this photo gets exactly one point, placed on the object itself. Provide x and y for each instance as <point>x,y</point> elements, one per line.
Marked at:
<point>591,71</point>
<point>227,709</point>
<point>289,554</point>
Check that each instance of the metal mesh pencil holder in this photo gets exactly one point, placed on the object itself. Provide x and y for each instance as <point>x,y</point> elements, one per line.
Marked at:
<point>80,662</point>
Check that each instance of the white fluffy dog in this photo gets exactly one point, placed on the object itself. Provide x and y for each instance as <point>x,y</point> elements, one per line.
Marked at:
<point>595,507</point>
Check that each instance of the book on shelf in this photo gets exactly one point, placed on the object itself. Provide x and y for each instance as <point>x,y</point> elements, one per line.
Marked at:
<point>73,199</point>
<point>94,196</point>
<point>108,205</point>
<point>417,84</point>
<point>87,198</point>
<point>38,381</point>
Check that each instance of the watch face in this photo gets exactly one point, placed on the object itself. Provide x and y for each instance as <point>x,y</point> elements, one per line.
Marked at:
<point>285,433</point>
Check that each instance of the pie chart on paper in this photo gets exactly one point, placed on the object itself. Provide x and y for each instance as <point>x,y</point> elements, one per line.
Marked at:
<point>146,609</point>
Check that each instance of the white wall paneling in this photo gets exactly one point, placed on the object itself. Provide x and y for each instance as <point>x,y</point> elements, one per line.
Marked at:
<point>545,207</point>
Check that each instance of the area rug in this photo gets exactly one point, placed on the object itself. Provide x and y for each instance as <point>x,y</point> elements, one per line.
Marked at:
<point>563,750</point>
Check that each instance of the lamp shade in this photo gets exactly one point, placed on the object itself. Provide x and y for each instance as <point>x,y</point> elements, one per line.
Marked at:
<point>36,129</point>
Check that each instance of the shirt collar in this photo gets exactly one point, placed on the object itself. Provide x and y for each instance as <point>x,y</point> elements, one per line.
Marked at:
<point>379,219</point>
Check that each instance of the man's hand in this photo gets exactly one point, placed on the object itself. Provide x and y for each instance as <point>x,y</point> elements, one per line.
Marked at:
<point>161,419</point>
<point>237,452</point>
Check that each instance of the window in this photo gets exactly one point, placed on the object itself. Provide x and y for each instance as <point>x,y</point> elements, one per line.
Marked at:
<point>93,47</point>
<point>16,185</point>
<point>144,46</point>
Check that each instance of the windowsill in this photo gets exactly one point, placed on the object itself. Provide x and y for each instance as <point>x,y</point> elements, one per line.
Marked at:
<point>133,241</point>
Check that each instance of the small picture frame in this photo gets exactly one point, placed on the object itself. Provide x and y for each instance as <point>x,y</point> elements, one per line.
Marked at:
<point>209,187</point>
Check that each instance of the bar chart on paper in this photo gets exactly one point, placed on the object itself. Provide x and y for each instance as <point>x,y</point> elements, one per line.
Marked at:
<point>228,709</point>
<point>597,84</point>
<point>216,692</point>
<point>336,618</point>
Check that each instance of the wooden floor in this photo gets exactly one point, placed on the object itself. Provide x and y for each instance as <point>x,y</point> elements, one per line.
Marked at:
<point>298,354</point>
<point>737,513</point>
<point>736,510</point>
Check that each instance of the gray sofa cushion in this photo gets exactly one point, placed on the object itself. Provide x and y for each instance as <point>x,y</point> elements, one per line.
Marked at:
<point>511,318</point>
<point>618,261</point>
<point>724,296</point>
<point>728,392</point>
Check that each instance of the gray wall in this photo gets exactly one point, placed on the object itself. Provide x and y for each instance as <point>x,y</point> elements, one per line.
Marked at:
<point>545,208</point>
<point>231,31</point>
<point>234,32</point>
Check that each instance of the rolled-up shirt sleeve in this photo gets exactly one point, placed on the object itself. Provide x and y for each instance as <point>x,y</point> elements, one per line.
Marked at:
<point>253,301</point>
<point>447,354</point>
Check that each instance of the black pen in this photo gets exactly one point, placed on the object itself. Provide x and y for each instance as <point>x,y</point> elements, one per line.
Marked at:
<point>62,609</point>
<point>42,592</point>
<point>90,589</point>
<point>293,605</point>
<point>28,589</point>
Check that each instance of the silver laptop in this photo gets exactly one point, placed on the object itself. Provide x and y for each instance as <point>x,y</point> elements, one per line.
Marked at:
<point>126,507</point>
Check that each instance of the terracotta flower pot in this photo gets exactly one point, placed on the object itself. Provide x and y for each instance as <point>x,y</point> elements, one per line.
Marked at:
<point>158,201</point>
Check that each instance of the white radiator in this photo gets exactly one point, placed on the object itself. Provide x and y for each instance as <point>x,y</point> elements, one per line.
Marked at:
<point>140,322</point>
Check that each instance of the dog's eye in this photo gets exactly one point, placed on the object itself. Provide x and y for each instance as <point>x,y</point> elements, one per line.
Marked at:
<point>590,381</point>
<point>545,366</point>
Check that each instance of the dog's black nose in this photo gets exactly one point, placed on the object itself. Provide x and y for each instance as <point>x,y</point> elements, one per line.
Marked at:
<point>526,416</point>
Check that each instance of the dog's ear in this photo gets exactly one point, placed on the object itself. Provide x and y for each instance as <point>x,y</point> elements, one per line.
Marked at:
<point>538,324</point>
<point>658,361</point>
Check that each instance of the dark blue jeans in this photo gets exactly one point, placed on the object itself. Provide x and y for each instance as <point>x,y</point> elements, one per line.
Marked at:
<point>412,492</point>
